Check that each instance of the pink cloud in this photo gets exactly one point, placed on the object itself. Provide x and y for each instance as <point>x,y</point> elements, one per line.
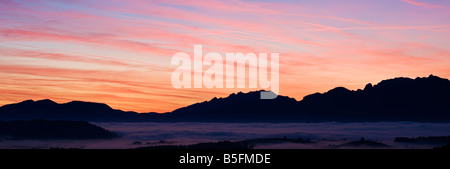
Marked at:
<point>16,34</point>
<point>422,4</point>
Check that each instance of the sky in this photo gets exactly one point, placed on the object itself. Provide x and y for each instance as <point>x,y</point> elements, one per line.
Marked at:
<point>119,52</point>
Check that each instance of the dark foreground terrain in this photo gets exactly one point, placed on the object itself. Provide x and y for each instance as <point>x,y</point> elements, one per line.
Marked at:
<point>52,130</point>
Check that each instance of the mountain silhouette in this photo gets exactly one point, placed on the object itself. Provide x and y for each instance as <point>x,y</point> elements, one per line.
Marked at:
<point>400,99</point>
<point>238,107</point>
<point>75,110</point>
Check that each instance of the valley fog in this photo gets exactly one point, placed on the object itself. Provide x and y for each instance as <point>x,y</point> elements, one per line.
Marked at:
<point>323,135</point>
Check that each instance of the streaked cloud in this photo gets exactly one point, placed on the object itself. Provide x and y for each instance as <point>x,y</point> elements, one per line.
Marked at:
<point>118,52</point>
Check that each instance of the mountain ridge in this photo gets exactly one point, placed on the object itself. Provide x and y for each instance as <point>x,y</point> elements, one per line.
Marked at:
<point>398,99</point>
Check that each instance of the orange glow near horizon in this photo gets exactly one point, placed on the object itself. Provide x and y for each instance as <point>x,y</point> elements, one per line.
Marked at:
<point>118,52</point>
